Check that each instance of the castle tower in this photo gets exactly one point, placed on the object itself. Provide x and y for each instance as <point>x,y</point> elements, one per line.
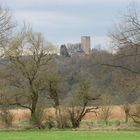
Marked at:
<point>85,41</point>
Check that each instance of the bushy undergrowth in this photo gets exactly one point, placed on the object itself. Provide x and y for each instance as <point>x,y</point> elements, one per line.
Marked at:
<point>6,117</point>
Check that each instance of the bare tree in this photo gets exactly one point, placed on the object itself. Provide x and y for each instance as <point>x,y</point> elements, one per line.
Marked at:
<point>81,99</point>
<point>6,28</point>
<point>54,89</point>
<point>106,107</point>
<point>126,40</point>
<point>27,60</point>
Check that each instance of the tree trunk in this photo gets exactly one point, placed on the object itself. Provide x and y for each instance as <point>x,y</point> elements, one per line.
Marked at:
<point>75,123</point>
<point>126,116</point>
<point>59,117</point>
<point>106,122</point>
<point>33,109</point>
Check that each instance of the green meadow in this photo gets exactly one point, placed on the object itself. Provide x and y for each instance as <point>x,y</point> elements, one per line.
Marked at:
<point>70,135</point>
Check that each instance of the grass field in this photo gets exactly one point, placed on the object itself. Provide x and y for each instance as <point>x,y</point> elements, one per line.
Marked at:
<point>70,135</point>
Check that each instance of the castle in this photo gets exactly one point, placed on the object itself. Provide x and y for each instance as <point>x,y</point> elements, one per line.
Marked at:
<point>82,48</point>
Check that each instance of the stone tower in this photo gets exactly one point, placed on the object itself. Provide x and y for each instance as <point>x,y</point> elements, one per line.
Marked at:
<point>85,42</point>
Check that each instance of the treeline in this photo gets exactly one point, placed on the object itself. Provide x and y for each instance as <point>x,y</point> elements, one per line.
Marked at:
<point>34,77</point>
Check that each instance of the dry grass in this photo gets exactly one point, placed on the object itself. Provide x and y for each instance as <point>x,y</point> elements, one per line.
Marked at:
<point>117,113</point>
<point>20,114</point>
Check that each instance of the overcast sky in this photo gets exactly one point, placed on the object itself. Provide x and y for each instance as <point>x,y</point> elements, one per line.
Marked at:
<point>64,21</point>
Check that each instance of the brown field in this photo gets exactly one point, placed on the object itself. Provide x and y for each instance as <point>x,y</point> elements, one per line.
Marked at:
<point>117,113</point>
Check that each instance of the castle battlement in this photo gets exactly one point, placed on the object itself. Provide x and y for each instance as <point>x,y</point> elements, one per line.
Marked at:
<point>77,48</point>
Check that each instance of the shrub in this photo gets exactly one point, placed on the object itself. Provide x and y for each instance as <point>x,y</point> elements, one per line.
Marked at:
<point>39,118</point>
<point>6,117</point>
<point>135,113</point>
<point>63,119</point>
<point>50,122</point>
<point>126,107</point>
<point>106,112</point>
